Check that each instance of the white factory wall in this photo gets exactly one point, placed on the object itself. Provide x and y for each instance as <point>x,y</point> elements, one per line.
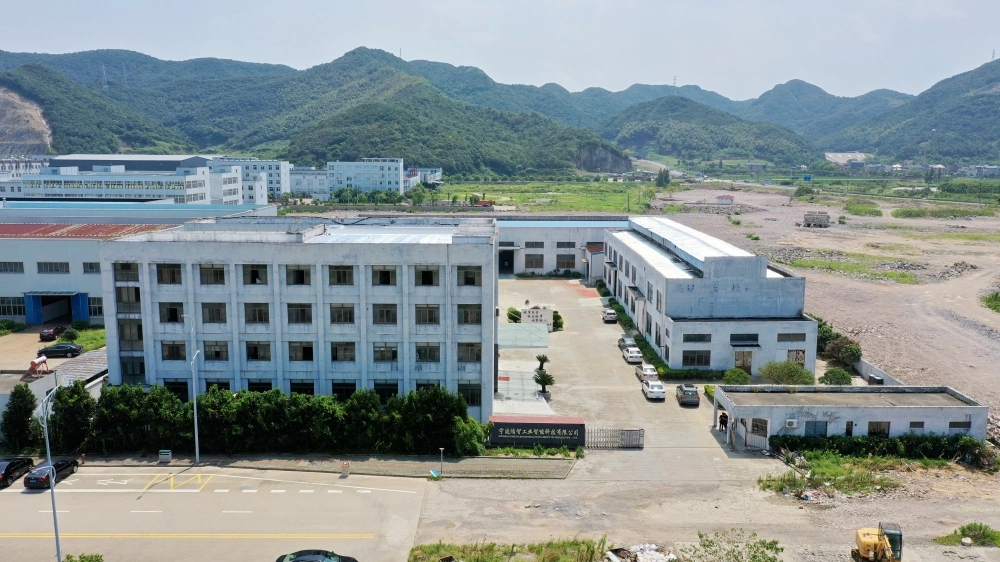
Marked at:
<point>30,251</point>
<point>723,354</point>
<point>550,234</point>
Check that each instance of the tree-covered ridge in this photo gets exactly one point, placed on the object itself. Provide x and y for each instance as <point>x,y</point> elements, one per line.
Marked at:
<point>84,120</point>
<point>679,127</point>
<point>427,128</point>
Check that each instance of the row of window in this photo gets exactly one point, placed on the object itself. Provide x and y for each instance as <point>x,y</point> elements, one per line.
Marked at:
<point>257,274</point>
<point>743,339</point>
<point>302,351</point>
<point>302,313</point>
<point>537,261</point>
<point>48,267</point>
<point>14,306</point>
<point>881,428</point>
<point>536,245</point>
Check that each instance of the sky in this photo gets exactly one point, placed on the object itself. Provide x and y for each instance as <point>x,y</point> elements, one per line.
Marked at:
<point>737,48</point>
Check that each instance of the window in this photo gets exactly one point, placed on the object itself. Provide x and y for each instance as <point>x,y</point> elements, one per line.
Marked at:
<point>565,244</point>
<point>470,276</point>
<point>917,428</point>
<point>507,244</point>
<point>213,312</point>
<point>649,324</point>
<point>126,271</point>
<point>427,314</point>
<point>426,275</point>
<point>302,387</point>
<point>298,275</point>
<point>300,313</point>
<point>216,351</point>
<point>254,274</point>
<point>53,267</point>
<point>213,274</point>
<point>659,301</point>
<point>791,337</point>
<point>534,261</point>
<point>743,339</point>
<point>257,312</point>
<point>565,261</point>
<point>472,392</point>
<point>222,384</point>
<point>385,352</point>
<point>127,300</point>
<point>470,352</point>
<point>427,384</point>
<point>11,267</point>
<point>634,277</point>
<point>697,338</point>
<point>96,306</point>
<point>386,389</point>
<point>173,351</point>
<point>130,335</point>
<point>383,314</point>
<point>815,429</point>
<point>696,358</point>
<point>171,312</point>
<point>133,370</point>
<point>168,273</point>
<point>383,275</point>
<point>92,267</point>
<point>342,351</point>
<point>341,313</point>
<point>428,353</point>
<point>12,306</point>
<point>178,388</point>
<point>959,427</point>
<point>341,274</point>
<point>470,314</point>
<point>300,351</point>
<point>534,244</point>
<point>344,389</point>
<point>878,429</point>
<point>258,351</point>
<point>259,386</point>
<point>657,332</point>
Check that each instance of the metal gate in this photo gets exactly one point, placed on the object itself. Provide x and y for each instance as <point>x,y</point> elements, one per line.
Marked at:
<point>756,437</point>
<point>615,438</point>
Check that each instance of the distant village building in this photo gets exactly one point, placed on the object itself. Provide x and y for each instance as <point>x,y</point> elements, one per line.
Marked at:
<point>756,166</point>
<point>431,175</point>
<point>724,200</point>
<point>987,171</point>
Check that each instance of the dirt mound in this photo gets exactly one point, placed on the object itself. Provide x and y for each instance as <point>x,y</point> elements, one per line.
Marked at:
<point>23,130</point>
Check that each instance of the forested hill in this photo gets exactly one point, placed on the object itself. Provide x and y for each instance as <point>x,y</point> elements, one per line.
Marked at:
<point>84,120</point>
<point>683,128</point>
<point>955,121</point>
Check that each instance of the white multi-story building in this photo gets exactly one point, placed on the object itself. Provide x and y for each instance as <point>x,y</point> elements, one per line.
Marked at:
<point>186,185</point>
<point>17,167</point>
<point>431,175</point>
<point>704,303</point>
<point>314,306</point>
<point>277,172</point>
<point>253,187</point>
<point>371,174</point>
<point>310,182</point>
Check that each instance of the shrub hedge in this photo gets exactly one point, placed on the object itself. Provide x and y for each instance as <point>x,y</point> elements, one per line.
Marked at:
<point>665,372</point>
<point>909,446</point>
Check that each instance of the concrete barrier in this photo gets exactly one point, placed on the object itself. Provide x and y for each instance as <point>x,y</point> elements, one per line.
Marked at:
<point>867,371</point>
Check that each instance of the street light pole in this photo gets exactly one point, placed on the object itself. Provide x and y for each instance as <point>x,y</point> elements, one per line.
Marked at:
<point>46,403</point>
<point>194,393</point>
<point>440,467</point>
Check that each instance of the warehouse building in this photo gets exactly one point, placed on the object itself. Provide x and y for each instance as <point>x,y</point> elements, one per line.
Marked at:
<point>757,413</point>
<point>705,304</point>
<point>371,174</point>
<point>307,305</point>
<point>542,245</point>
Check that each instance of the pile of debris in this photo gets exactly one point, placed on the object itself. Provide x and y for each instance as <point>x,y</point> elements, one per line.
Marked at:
<point>640,553</point>
<point>954,270</point>
<point>899,265</point>
<point>713,209</point>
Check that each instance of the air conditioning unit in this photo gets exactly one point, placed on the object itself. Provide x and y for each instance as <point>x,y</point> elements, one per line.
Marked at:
<point>791,424</point>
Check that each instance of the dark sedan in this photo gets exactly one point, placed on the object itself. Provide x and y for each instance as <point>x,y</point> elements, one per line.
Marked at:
<point>13,468</point>
<point>51,333</point>
<point>61,350</point>
<point>315,556</point>
<point>39,476</point>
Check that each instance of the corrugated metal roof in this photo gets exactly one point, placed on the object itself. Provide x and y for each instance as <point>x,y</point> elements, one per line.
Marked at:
<point>688,243</point>
<point>135,157</point>
<point>88,231</point>
<point>669,266</point>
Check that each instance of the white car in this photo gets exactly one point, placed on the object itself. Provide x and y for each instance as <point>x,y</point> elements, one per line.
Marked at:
<point>609,315</point>
<point>646,372</point>
<point>632,355</point>
<point>654,390</point>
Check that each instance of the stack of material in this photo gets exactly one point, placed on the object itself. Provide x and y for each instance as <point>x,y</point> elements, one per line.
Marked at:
<point>640,553</point>
<point>816,219</point>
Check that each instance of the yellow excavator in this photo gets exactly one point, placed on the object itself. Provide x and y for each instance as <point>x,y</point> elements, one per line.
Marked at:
<point>884,544</point>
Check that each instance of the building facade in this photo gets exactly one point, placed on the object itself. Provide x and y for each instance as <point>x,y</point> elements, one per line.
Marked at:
<point>543,245</point>
<point>194,185</point>
<point>14,168</point>
<point>371,174</point>
<point>704,303</point>
<point>314,306</point>
<point>431,175</point>
<point>277,173</point>
<point>310,182</point>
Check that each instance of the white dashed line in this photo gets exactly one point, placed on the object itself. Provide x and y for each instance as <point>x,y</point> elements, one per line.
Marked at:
<point>222,491</point>
<point>249,491</point>
<point>306,491</point>
<point>277,491</point>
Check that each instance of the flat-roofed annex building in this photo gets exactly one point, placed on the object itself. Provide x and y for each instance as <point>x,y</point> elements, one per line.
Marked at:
<point>703,303</point>
<point>307,305</point>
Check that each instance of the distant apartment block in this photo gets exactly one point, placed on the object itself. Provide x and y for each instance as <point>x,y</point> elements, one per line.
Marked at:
<point>371,174</point>
<point>310,182</point>
<point>431,175</point>
<point>277,172</point>
<point>196,185</point>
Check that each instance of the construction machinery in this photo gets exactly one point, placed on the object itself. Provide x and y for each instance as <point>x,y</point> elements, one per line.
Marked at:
<point>884,544</point>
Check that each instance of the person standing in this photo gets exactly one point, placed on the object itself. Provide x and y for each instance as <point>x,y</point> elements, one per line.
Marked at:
<point>723,422</point>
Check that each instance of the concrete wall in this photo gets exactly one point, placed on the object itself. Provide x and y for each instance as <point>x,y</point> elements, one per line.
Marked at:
<point>724,354</point>
<point>550,233</point>
<point>30,251</point>
<point>866,370</point>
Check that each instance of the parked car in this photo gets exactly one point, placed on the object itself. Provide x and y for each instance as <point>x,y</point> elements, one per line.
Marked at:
<point>61,350</point>
<point>625,342</point>
<point>688,394</point>
<point>51,333</point>
<point>609,315</point>
<point>40,475</point>
<point>13,468</point>
<point>315,556</point>
<point>632,355</point>
<point>646,372</point>
<point>654,390</point>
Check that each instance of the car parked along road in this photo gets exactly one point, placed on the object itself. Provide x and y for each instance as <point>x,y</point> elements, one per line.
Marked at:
<point>40,475</point>
<point>61,350</point>
<point>654,390</point>
<point>51,333</point>
<point>13,468</point>
<point>632,355</point>
<point>646,372</point>
<point>688,394</point>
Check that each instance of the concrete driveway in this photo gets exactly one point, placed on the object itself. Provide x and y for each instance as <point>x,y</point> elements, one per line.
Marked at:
<point>18,349</point>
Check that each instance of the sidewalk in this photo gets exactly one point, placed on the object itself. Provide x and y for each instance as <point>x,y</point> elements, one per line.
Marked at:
<point>406,466</point>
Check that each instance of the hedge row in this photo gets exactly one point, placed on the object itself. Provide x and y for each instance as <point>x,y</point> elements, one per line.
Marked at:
<point>650,356</point>
<point>908,446</point>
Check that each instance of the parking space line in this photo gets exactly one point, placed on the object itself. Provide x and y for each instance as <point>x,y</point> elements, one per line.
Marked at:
<point>155,480</point>
<point>237,512</point>
<point>50,511</point>
<point>213,536</point>
<point>267,479</point>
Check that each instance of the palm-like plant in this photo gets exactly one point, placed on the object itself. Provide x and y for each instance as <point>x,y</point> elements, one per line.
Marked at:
<point>544,379</point>
<point>542,360</point>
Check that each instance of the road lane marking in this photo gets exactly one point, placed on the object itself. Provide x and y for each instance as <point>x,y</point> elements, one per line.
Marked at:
<point>249,491</point>
<point>156,479</point>
<point>147,512</point>
<point>185,536</point>
<point>306,491</point>
<point>221,491</point>
<point>277,491</point>
<point>277,480</point>
<point>109,491</point>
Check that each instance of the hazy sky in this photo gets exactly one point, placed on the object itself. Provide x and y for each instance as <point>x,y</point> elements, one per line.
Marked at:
<point>737,48</point>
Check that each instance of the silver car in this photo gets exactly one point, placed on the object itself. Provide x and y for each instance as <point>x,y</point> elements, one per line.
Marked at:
<point>646,372</point>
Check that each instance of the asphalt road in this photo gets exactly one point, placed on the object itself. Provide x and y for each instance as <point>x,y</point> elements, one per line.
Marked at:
<point>130,514</point>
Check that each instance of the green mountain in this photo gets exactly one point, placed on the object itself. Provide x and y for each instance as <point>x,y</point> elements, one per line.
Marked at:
<point>427,128</point>
<point>84,120</point>
<point>955,121</point>
<point>813,113</point>
<point>683,128</point>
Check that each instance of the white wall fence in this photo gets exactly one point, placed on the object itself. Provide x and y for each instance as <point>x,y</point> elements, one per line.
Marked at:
<point>867,371</point>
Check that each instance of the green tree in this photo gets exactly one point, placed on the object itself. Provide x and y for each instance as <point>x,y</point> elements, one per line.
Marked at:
<point>470,437</point>
<point>72,414</point>
<point>663,178</point>
<point>70,335</point>
<point>836,377</point>
<point>851,354</point>
<point>542,360</point>
<point>544,379</point>
<point>513,315</point>
<point>736,376</point>
<point>16,421</point>
<point>121,420</point>
<point>734,545</point>
<point>835,347</point>
<point>785,372</point>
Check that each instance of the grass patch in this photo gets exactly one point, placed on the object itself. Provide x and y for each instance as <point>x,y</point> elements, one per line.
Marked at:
<point>980,533</point>
<point>826,471</point>
<point>536,451</point>
<point>673,209</point>
<point>9,327</point>
<point>950,213</point>
<point>862,208</point>
<point>963,236</point>
<point>90,339</point>
<point>617,197</point>
<point>899,248</point>
<point>574,550</point>
<point>862,268</point>
<point>991,301</point>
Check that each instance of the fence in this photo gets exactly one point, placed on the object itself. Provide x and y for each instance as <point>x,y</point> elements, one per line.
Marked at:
<point>615,438</point>
<point>867,371</point>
